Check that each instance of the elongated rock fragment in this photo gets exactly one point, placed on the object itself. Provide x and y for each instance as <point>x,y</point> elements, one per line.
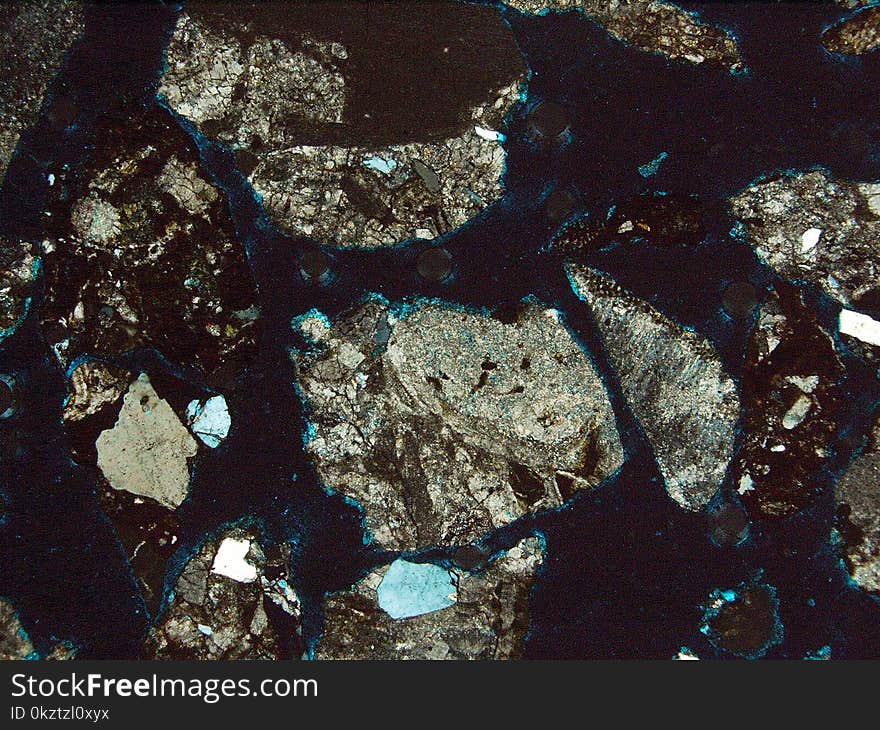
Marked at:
<point>675,383</point>
<point>652,25</point>
<point>857,34</point>
<point>444,424</point>
<point>791,397</point>
<point>488,619</point>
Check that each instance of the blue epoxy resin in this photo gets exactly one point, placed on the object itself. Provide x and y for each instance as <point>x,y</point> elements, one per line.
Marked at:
<point>411,589</point>
<point>650,168</point>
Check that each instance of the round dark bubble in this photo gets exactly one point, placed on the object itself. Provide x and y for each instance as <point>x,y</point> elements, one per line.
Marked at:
<point>728,524</point>
<point>469,557</point>
<point>548,121</point>
<point>748,625</point>
<point>559,205</point>
<point>434,264</point>
<point>314,264</point>
<point>740,299</point>
<point>7,396</point>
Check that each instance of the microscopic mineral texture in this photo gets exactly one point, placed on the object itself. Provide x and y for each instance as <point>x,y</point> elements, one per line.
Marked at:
<point>858,496</point>
<point>143,254</point>
<point>146,452</point>
<point>675,383</point>
<point>661,220</point>
<point>791,397</point>
<point>488,619</point>
<point>444,424</point>
<point>214,616</point>
<point>812,226</point>
<point>652,26</point>
<point>36,36</point>
<point>333,153</point>
<point>855,35</point>
<point>14,641</point>
<point>16,644</point>
<point>17,271</point>
<point>93,386</point>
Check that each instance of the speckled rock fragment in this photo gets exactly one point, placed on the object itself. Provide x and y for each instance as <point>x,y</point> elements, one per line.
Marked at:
<point>93,385</point>
<point>144,255</point>
<point>654,26</point>
<point>444,424</point>
<point>14,641</point>
<point>675,383</point>
<point>37,35</point>
<point>790,399</point>
<point>295,95</point>
<point>815,227</point>
<point>17,273</point>
<point>488,620</point>
<point>213,616</point>
<point>858,515</point>
<point>857,34</point>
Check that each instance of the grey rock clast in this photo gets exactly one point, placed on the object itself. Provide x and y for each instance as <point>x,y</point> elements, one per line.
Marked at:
<point>858,493</point>
<point>489,619</point>
<point>43,32</point>
<point>811,226</point>
<point>147,450</point>
<point>652,26</point>
<point>254,615</point>
<point>675,384</point>
<point>444,424</point>
<point>274,99</point>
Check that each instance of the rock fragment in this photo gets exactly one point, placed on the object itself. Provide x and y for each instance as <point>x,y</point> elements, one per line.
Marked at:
<point>858,515</point>
<point>781,216</point>
<point>653,26</point>
<point>295,95</point>
<point>149,532</point>
<point>215,616</point>
<point>146,452</point>
<point>146,256</point>
<point>444,424</point>
<point>17,273</point>
<point>14,641</point>
<point>675,383</point>
<point>37,35</point>
<point>856,35</point>
<point>488,619</point>
<point>745,621</point>
<point>790,398</point>
<point>93,386</point>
